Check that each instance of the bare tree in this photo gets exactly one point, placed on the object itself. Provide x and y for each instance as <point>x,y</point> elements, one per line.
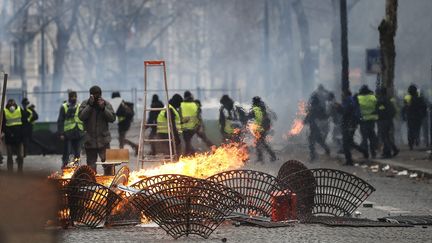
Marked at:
<point>387,30</point>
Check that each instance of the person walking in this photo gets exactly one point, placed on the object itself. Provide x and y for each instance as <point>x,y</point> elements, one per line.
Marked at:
<point>386,113</point>
<point>162,124</point>
<point>368,103</point>
<point>200,131</point>
<point>152,121</point>
<point>125,113</point>
<point>350,118</point>
<point>229,120</point>
<point>28,126</point>
<point>70,129</point>
<point>262,123</point>
<point>315,112</point>
<point>13,123</point>
<point>189,112</point>
<point>96,113</point>
<point>414,111</point>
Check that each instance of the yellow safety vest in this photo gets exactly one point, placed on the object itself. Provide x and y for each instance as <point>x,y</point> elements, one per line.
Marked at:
<point>407,99</point>
<point>162,121</point>
<point>230,124</point>
<point>258,113</point>
<point>30,116</point>
<point>71,123</point>
<point>368,107</point>
<point>13,118</point>
<point>189,112</point>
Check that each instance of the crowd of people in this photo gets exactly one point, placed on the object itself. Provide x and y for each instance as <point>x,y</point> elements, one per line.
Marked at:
<point>372,112</point>
<point>86,125</point>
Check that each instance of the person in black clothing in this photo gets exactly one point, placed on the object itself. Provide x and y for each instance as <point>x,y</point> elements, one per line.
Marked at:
<point>28,126</point>
<point>125,114</point>
<point>386,112</point>
<point>414,112</point>
<point>200,132</point>
<point>162,132</point>
<point>152,120</point>
<point>315,112</point>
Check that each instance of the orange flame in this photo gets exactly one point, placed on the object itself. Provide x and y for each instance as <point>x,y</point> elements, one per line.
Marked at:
<point>254,130</point>
<point>298,124</point>
<point>226,157</point>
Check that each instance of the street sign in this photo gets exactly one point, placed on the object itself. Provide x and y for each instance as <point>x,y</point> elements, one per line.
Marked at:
<point>373,61</point>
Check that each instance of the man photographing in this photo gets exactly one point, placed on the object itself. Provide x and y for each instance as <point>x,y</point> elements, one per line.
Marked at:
<point>96,113</point>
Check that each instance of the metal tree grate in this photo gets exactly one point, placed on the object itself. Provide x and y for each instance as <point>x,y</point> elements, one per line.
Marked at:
<point>335,192</point>
<point>146,182</point>
<point>89,203</point>
<point>256,187</point>
<point>352,222</point>
<point>84,172</point>
<point>124,213</point>
<point>290,167</point>
<point>186,205</point>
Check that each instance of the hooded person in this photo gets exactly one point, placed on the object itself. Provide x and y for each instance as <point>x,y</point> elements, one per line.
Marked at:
<point>189,113</point>
<point>229,119</point>
<point>96,113</point>
<point>162,124</point>
<point>28,126</point>
<point>125,113</point>
<point>414,111</point>
<point>261,119</point>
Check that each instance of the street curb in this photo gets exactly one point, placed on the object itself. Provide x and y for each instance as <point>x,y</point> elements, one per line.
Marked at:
<point>422,172</point>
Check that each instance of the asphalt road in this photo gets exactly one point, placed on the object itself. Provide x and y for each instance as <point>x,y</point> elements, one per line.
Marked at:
<point>399,195</point>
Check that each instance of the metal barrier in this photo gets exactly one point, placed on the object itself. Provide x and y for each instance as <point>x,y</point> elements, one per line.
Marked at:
<point>334,192</point>
<point>256,187</point>
<point>185,205</point>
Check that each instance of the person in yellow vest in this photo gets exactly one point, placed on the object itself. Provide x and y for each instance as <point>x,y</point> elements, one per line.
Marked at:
<point>28,126</point>
<point>162,124</point>
<point>368,110</point>
<point>189,112</point>
<point>262,121</point>
<point>70,128</point>
<point>200,131</point>
<point>229,120</point>
<point>13,119</point>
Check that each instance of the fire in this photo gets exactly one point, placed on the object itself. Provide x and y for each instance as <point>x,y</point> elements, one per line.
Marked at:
<point>298,124</point>
<point>66,173</point>
<point>254,130</point>
<point>226,157</point>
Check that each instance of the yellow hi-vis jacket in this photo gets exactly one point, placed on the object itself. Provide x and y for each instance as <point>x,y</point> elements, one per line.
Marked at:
<point>13,118</point>
<point>368,105</point>
<point>189,111</point>
<point>258,114</point>
<point>162,121</point>
<point>71,123</point>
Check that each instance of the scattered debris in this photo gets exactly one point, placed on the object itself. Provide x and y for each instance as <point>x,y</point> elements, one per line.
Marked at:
<point>404,173</point>
<point>357,214</point>
<point>367,205</point>
<point>413,175</point>
<point>386,168</point>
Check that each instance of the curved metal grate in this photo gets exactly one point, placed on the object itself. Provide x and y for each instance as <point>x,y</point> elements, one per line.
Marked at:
<point>256,187</point>
<point>89,203</point>
<point>84,172</point>
<point>144,183</point>
<point>121,177</point>
<point>289,167</point>
<point>335,192</point>
<point>185,205</point>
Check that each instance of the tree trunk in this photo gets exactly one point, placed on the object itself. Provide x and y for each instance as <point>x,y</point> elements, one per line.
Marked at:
<point>336,44</point>
<point>306,61</point>
<point>344,46</point>
<point>387,30</point>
